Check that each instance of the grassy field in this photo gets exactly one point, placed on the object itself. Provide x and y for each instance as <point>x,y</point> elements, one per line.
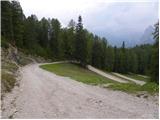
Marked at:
<point>137,77</point>
<point>77,73</point>
<point>83,75</point>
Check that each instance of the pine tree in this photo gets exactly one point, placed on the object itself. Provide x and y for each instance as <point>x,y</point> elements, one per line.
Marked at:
<point>80,43</point>
<point>17,22</point>
<point>43,33</point>
<point>97,53</point>
<point>115,67</point>
<point>55,38</point>
<point>103,57</point>
<point>155,56</point>
<point>71,38</point>
<point>109,58</point>
<point>72,24</point>
<point>90,39</point>
<point>31,33</point>
<point>6,21</point>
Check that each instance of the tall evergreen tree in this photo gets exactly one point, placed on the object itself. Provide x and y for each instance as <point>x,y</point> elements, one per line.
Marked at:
<point>55,38</point>
<point>43,33</point>
<point>72,24</point>
<point>6,21</point>
<point>71,38</point>
<point>123,59</point>
<point>115,59</point>
<point>17,22</point>
<point>103,56</point>
<point>110,59</point>
<point>31,33</point>
<point>80,43</point>
<point>47,38</point>
<point>155,56</point>
<point>97,53</point>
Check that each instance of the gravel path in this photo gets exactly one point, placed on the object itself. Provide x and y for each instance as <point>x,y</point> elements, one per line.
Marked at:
<point>133,80</point>
<point>106,74</point>
<point>42,94</point>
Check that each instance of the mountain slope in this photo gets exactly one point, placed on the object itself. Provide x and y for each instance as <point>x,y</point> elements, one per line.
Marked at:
<point>147,37</point>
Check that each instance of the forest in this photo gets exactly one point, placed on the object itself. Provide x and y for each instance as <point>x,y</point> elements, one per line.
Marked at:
<point>47,38</point>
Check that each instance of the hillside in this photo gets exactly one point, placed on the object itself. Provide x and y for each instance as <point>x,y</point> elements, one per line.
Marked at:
<point>43,94</point>
<point>147,37</point>
<point>12,61</point>
<point>51,71</point>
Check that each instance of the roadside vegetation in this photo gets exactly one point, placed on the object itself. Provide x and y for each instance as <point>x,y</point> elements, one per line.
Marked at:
<point>78,73</point>
<point>138,77</point>
<point>8,78</point>
<point>8,81</point>
<point>11,60</point>
<point>150,87</point>
<point>48,39</point>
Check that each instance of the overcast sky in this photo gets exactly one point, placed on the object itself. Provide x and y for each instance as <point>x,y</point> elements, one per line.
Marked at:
<point>112,19</point>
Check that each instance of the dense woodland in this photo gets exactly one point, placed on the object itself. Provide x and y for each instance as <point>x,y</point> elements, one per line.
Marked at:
<point>47,38</point>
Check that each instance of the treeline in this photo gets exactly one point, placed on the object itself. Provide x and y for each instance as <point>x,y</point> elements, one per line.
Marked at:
<point>47,38</point>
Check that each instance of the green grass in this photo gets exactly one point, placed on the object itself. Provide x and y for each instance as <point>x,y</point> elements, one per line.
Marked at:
<point>9,66</point>
<point>83,75</point>
<point>137,77</point>
<point>8,81</point>
<point>77,73</point>
<point>149,87</point>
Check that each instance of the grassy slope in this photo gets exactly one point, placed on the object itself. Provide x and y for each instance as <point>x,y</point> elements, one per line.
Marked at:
<point>83,75</point>
<point>77,73</point>
<point>9,67</point>
<point>8,76</point>
<point>137,77</point>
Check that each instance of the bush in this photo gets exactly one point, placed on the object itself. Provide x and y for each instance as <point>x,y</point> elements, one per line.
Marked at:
<point>4,42</point>
<point>8,81</point>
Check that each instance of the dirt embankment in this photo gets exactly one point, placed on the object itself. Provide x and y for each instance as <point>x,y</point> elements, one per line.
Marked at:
<point>12,60</point>
<point>42,94</point>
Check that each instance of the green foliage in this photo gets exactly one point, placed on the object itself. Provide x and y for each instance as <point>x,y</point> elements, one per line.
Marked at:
<point>149,87</point>
<point>138,77</point>
<point>109,58</point>
<point>132,61</point>
<point>43,27</point>
<point>155,56</point>
<point>6,20</point>
<point>80,43</point>
<point>8,78</point>
<point>8,81</point>
<point>17,23</point>
<point>4,42</point>
<point>9,66</point>
<point>30,32</point>
<point>67,43</point>
<point>100,53</point>
<point>12,22</point>
<point>55,41</point>
<point>83,75</point>
<point>46,38</point>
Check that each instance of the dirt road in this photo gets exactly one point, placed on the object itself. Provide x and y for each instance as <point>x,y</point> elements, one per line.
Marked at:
<point>133,80</point>
<point>42,94</point>
<point>106,74</point>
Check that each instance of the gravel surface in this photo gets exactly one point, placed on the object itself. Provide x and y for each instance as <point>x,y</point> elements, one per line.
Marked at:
<point>131,79</point>
<point>42,94</point>
<point>106,74</point>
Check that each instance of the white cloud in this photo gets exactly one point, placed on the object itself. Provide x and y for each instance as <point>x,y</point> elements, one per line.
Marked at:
<point>115,17</point>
